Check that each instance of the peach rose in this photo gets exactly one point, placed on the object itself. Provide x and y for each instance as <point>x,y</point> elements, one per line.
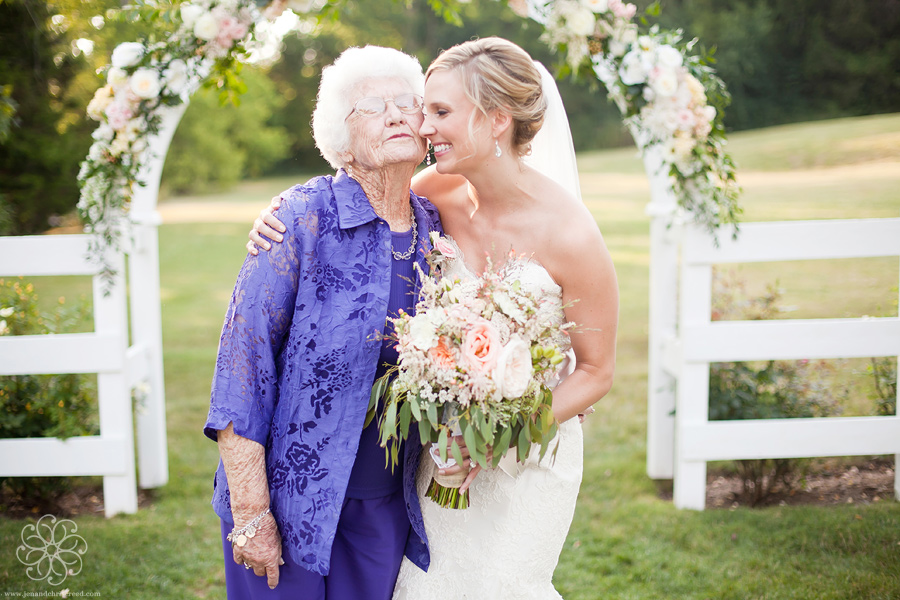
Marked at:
<point>481,346</point>
<point>442,356</point>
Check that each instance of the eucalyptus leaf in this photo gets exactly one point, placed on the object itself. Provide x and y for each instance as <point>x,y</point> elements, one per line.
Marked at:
<point>405,414</point>
<point>456,451</point>
<point>523,444</point>
<point>442,443</point>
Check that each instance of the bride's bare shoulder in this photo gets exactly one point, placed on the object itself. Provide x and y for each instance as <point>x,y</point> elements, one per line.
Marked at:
<point>440,189</point>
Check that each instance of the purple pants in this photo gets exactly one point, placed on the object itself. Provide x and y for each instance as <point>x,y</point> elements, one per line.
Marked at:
<point>365,558</point>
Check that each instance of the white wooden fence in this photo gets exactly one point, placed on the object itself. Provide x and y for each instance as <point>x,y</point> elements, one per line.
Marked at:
<point>120,367</point>
<point>685,356</point>
<point>105,351</point>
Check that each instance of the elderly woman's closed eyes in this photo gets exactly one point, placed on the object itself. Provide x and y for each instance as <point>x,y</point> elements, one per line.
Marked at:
<point>302,490</point>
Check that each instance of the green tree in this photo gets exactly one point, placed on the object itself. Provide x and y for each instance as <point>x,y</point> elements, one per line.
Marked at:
<point>216,145</point>
<point>39,160</point>
<point>50,52</point>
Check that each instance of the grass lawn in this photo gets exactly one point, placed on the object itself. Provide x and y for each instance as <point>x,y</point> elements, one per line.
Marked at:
<point>625,542</point>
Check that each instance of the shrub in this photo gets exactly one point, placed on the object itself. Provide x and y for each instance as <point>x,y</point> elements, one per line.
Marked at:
<point>775,389</point>
<point>62,405</point>
<point>884,372</point>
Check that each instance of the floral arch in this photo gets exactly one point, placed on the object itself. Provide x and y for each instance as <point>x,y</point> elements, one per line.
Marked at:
<point>669,96</point>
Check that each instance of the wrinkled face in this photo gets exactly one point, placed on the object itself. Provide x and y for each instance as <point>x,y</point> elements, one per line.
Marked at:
<point>391,137</point>
<point>447,115</point>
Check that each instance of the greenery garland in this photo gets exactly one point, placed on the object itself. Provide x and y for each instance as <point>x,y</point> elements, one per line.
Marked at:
<point>669,95</point>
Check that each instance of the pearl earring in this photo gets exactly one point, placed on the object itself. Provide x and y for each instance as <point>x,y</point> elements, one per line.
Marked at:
<point>428,154</point>
<point>350,170</point>
<point>497,151</point>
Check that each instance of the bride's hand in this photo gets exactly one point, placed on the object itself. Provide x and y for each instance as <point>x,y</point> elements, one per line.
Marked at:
<point>469,465</point>
<point>266,227</point>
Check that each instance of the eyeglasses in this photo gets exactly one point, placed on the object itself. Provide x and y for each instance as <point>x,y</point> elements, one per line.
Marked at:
<point>406,103</point>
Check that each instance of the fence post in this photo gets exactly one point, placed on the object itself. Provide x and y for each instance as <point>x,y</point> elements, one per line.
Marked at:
<point>662,318</point>
<point>692,407</point>
<point>114,393</point>
<point>146,315</point>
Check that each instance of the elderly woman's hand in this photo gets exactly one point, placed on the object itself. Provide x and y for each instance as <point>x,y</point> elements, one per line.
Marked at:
<point>266,227</point>
<point>262,552</point>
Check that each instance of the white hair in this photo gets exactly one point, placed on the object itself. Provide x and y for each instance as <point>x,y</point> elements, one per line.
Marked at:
<point>334,102</point>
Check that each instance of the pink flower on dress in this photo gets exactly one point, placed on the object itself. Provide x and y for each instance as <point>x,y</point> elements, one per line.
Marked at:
<point>444,247</point>
<point>481,346</point>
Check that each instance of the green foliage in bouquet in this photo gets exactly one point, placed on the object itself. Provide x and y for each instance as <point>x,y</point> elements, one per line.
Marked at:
<point>487,437</point>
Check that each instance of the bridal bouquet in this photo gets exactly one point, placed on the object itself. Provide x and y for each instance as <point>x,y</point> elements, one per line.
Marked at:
<point>476,359</point>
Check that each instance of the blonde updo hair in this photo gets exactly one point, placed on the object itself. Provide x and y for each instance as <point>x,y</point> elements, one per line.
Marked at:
<point>497,74</point>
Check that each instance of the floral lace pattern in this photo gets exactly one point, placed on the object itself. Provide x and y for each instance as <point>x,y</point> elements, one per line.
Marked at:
<point>507,543</point>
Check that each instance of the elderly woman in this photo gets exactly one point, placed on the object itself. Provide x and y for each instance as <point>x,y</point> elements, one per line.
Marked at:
<point>302,490</point>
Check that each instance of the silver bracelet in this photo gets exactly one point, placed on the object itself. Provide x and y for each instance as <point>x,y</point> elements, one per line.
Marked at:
<point>240,536</point>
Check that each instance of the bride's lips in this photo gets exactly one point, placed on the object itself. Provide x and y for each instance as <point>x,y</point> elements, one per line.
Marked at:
<point>441,148</point>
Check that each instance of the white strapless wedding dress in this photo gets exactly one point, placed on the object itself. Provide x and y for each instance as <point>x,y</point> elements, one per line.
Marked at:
<point>506,545</point>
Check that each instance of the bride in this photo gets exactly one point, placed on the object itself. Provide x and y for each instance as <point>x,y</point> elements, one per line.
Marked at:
<point>498,188</point>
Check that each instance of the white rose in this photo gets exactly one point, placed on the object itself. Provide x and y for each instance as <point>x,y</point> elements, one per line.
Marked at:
<point>175,76</point>
<point>127,54</point>
<point>617,47</point>
<point>97,106</point>
<point>581,21</point>
<point>206,27</point>
<point>513,370</point>
<point>145,83</point>
<point>669,56</point>
<point>664,81</point>
<point>96,152</point>
<point>190,13</point>
<point>7,312</point>
<point>632,70</point>
<point>117,77</point>
<point>596,6</point>
<point>422,333</point>
<point>629,34</point>
<point>698,93</point>
<point>646,43</point>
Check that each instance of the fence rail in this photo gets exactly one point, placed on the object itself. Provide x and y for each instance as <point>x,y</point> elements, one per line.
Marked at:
<point>698,342</point>
<point>110,454</point>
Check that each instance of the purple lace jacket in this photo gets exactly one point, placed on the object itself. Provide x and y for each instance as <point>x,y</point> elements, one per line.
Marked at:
<point>297,360</point>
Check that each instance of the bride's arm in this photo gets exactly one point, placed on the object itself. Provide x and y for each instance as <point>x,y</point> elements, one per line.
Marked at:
<point>427,183</point>
<point>583,267</point>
